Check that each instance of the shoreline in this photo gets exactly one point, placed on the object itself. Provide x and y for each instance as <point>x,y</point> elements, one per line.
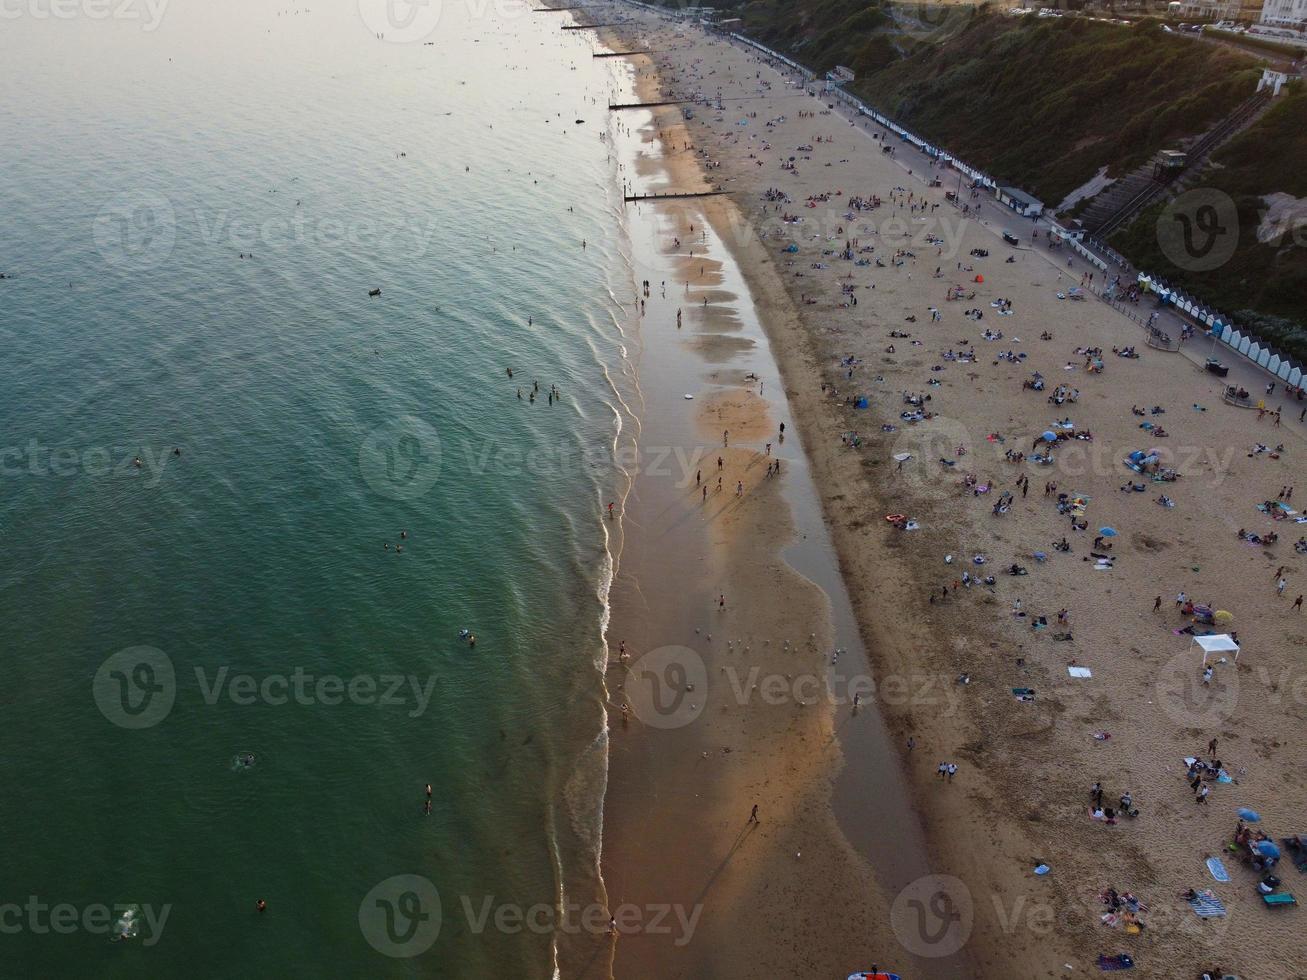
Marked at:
<point>826,853</point>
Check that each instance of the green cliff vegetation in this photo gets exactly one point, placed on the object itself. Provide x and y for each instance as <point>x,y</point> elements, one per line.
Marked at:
<point>1046,102</point>
<point>1264,285</point>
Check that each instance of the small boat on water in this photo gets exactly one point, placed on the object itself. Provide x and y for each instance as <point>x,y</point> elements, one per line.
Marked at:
<point>374,292</point>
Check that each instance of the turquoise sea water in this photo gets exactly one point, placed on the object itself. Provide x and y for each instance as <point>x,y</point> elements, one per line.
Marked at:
<point>315,424</point>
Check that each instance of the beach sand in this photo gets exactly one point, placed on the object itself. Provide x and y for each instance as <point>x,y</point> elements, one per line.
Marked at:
<point>676,821</point>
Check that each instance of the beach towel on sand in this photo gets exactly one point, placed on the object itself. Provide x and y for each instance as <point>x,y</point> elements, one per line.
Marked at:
<point>1207,906</point>
<point>1217,869</point>
<point>1121,961</point>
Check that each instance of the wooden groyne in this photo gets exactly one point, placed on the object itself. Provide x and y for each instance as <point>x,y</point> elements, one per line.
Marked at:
<point>586,27</point>
<point>647,105</point>
<point>621,54</point>
<point>671,195</point>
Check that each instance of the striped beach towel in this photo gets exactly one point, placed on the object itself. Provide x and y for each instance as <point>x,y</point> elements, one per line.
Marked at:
<point>1207,906</point>
<point>1217,869</point>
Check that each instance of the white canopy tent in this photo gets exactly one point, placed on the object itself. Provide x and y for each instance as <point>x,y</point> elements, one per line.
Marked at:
<point>1221,643</point>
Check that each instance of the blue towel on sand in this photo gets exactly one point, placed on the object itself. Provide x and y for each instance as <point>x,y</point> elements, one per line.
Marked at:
<point>1217,869</point>
<point>1121,961</point>
<point>1207,906</point>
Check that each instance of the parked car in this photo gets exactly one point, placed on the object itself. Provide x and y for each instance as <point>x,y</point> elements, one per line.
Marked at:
<point>1010,238</point>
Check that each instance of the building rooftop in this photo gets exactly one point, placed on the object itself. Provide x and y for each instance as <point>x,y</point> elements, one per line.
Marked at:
<point>1021,196</point>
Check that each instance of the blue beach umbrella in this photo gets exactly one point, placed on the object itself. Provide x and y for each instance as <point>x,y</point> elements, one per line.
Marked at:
<point>1049,436</point>
<point>1107,532</point>
<point>1252,816</point>
<point>1267,849</point>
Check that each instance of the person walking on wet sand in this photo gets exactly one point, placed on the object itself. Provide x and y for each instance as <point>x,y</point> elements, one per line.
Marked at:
<point>726,437</point>
<point>753,815</point>
<point>721,601</point>
<point>1297,604</point>
<point>1157,604</point>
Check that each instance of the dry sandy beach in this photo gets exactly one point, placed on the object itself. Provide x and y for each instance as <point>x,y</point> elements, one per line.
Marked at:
<point>830,879</point>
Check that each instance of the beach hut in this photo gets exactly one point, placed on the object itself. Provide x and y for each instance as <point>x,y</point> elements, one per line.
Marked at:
<point>1220,643</point>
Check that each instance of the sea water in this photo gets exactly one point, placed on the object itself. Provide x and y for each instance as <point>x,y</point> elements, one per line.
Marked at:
<point>225,681</point>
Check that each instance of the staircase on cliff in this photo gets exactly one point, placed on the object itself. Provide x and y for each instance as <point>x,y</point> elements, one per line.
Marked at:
<point>1121,203</point>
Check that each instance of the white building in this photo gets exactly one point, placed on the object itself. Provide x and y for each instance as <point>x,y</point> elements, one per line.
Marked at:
<point>1207,9</point>
<point>1285,13</point>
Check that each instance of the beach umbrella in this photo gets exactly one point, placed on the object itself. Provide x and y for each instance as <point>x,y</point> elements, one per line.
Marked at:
<point>1223,616</point>
<point>1267,848</point>
<point>1252,816</point>
<point>1107,532</point>
<point>1049,436</point>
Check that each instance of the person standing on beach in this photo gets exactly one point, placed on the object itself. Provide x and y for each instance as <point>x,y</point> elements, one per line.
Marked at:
<point>1279,586</point>
<point>1297,604</point>
<point>1157,604</point>
<point>721,601</point>
<point>726,438</point>
<point>753,815</point>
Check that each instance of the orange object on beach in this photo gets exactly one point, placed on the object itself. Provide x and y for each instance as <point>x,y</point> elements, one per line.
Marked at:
<point>895,518</point>
<point>980,278</point>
